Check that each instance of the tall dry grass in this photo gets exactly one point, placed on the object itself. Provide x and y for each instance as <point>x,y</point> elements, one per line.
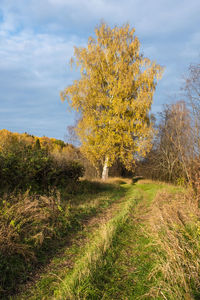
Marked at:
<point>27,220</point>
<point>175,228</point>
<point>27,223</point>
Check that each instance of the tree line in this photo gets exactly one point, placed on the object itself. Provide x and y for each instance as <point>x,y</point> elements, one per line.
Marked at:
<point>175,152</point>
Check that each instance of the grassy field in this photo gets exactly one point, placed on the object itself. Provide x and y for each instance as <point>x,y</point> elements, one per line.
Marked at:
<point>128,248</point>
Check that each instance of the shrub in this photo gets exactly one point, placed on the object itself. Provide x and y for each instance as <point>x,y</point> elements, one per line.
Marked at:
<point>25,167</point>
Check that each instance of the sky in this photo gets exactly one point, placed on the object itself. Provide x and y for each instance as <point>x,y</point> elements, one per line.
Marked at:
<point>37,39</point>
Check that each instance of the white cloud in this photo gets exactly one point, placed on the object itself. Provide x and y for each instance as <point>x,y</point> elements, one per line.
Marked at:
<point>40,58</point>
<point>149,17</point>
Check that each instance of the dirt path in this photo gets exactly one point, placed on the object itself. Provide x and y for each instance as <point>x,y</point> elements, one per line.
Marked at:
<point>48,277</point>
<point>110,258</point>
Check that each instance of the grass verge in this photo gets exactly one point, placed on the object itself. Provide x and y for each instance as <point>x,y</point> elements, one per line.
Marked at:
<point>174,225</point>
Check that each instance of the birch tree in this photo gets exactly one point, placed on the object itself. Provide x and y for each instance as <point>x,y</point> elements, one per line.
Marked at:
<point>114,96</point>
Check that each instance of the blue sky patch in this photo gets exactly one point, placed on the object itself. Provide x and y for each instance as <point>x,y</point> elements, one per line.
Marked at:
<point>37,40</point>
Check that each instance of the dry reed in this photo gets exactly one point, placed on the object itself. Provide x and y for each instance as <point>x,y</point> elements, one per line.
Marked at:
<point>175,227</point>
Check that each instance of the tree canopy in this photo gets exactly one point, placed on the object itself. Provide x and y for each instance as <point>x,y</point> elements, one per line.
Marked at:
<point>114,96</point>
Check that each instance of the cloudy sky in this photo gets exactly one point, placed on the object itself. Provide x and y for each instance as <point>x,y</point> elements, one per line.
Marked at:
<point>37,39</point>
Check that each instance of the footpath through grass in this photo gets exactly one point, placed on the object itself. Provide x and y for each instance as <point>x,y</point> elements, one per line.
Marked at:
<point>89,201</point>
<point>115,256</point>
<point>123,272</point>
<point>91,207</point>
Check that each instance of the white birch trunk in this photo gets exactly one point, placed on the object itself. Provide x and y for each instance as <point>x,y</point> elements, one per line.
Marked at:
<point>105,169</point>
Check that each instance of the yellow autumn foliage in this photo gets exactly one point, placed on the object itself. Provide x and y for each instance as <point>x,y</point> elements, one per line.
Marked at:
<point>114,96</point>
<point>10,139</point>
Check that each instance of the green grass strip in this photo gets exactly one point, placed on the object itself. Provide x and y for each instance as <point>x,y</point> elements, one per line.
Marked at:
<point>123,271</point>
<point>72,285</point>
